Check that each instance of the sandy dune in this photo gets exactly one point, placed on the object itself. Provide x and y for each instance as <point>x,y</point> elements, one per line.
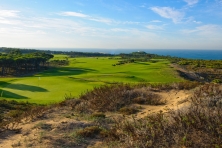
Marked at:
<point>57,124</point>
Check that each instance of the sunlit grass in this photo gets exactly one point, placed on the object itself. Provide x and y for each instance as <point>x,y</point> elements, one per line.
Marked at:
<point>82,74</point>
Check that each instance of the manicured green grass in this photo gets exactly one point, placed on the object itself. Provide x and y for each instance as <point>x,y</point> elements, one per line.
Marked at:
<point>82,74</point>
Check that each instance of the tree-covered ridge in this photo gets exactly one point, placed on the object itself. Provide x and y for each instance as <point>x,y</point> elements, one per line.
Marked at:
<point>16,63</point>
<point>69,53</point>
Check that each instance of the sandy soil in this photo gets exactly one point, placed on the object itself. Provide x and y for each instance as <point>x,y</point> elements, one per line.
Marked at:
<point>57,126</point>
<point>174,100</point>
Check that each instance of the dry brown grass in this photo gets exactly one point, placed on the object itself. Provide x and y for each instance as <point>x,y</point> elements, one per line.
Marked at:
<point>16,112</point>
<point>98,115</point>
<point>112,98</point>
<point>128,110</point>
<point>89,132</point>
<point>199,125</point>
<point>95,117</point>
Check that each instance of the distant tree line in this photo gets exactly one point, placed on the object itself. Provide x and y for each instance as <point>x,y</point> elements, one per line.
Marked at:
<point>25,51</point>
<point>74,54</point>
<point>69,53</point>
<point>57,63</point>
<point>139,56</point>
<point>16,63</point>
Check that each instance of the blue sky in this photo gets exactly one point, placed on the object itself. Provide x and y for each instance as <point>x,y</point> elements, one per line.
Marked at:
<point>111,24</point>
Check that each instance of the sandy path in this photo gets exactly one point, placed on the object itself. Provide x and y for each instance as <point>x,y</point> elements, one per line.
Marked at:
<point>174,100</point>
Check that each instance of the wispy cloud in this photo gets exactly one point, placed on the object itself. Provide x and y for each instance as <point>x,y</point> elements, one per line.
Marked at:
<point>8,13</point>
<point>155,21</point>
<point>74,14</point>
<point>154,27</point>
<point>205,30</point>
<point>101,20</point>
<point>197,22</point>
<point>143,5</point>
<point>9,17</point>
<point>192,20</point>
<point>169,13</point>
<point>96,19</point>
<point>191,2</point>
<point>88,17</point>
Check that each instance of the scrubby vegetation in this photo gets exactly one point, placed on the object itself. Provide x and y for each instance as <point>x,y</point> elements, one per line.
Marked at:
<point>113,113</point>
<point>198,125</point>
<point>115,97</point>
<point>208,70</point>
<point>12,113</point>
<point>195,125</point>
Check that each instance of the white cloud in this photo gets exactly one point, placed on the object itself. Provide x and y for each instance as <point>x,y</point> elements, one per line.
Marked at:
<point>9,21</point>
<point>154,27</point>
<point>143,5</point>
<point>209,29</point>
<point>128,23</point>
<point>206,30</point>
<point>101,20</point>
<point>9,17</point>
<point>155,21</point>
<point>169,13</point>
<point>8,13</point>
<point>120,30</point>
<point>204,36</point>
<point>75,14</point>
<point>192,20</point>
<point>96,19</point>
<point>197,22</point>
<point>191,2</point>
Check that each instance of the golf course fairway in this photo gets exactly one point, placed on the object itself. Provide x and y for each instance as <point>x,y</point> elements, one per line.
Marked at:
<point>83,74</point>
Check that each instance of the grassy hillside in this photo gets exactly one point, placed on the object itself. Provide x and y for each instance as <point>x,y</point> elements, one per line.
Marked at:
<point>82,74</point>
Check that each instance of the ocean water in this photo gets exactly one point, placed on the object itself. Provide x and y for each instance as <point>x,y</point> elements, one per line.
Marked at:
<point>191,54</point>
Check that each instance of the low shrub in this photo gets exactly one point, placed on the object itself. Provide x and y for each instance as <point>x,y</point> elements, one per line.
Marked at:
<point>128,110</point>
<point>89,132</point>
<point>12,113</point>
<point>115,96</point>
<point>98,115</point>
<point>198,125</point>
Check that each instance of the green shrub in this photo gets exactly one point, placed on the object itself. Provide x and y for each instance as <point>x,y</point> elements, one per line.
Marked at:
<point>217,81</point>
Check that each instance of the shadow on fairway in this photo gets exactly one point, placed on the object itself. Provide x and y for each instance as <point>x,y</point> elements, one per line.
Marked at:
<point>10,95</point>
<point>25,87</point>
<point>63,71</point>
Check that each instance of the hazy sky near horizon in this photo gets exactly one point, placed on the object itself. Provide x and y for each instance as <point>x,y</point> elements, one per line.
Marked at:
<point>112,24</point>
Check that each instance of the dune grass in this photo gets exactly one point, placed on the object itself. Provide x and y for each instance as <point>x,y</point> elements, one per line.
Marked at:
<point>83,73</point>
